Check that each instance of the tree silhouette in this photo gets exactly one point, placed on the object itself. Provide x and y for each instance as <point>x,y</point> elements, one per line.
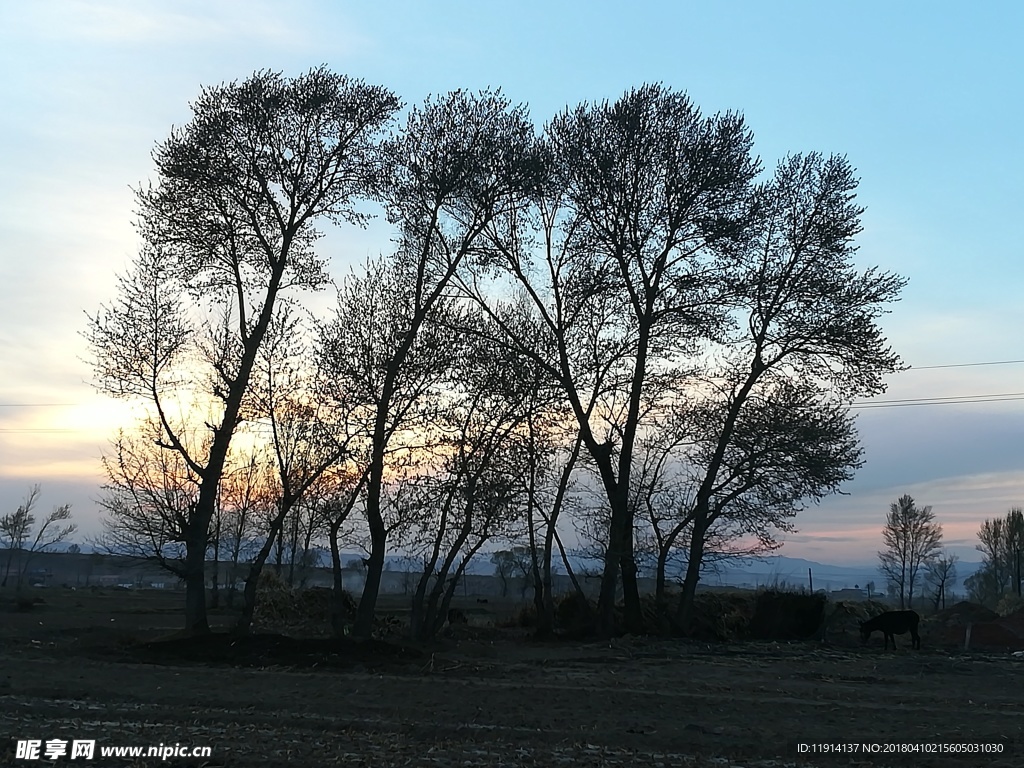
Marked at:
<point>458,163</point>
<point>912,539</point>
<point>228,227</point>
<point>16,533</point>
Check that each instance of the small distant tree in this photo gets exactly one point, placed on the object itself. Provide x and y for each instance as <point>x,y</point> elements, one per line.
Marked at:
<point>1000,542</point>
<point>503,569</point>
<point>510,564</point>
<point>147,498</point>
<point>982,587</point>
<point>356,564</point>
<point>940,573</point>
<point>912,539</point>
<point>16,533</point>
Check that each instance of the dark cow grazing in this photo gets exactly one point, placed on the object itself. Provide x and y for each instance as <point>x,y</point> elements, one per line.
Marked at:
<point>892,623</point>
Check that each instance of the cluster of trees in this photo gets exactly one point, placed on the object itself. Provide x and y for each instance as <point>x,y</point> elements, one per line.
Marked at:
<point>21,539</point>
<point>999,580</point>
<point>617,322</point>
<point>913,561</point>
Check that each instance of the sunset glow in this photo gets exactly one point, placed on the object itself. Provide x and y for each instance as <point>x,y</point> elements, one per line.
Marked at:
<point>925,105</point>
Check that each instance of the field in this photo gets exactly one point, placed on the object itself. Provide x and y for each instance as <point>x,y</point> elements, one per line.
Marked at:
<point>87,665</point>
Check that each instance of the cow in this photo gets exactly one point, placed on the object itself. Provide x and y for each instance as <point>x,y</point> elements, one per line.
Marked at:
<point>892,623</point>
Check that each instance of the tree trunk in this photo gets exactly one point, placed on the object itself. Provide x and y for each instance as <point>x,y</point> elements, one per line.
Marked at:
<point>372,578</point>
<point>684,614</point>
<point>447,595</point>
<point>196,622</point>
<point>421,619</point>
<point>610,576</point>
<point>435,610</point>
<point>702,507</point>
<point>304,563</point>
<point>417,617</point>
<point>619,560</point>
<point>659,577</point>
<point>630,583</point>
<point>7,571</point>
<point>546,608</point>
<point>215,581</point>
<point>569,571</point>
<point>339,612</point>
<point>375,521</point>
<point>232,588</point>
<point>547,598</point>
<point>545,623</point>
<point>664,551</point>
<point>244,623</point>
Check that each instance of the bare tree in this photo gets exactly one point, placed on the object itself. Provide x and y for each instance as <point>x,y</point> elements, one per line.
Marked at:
<point>16,533</point>
<point>644,194</point>
<point>662,490</point>
<point>336,497</point>
<point>788,447</point>
<point>912,539</point>
<point>1014,548</point>
<point>939,574</point>
<point>806,318</point>
<point>658,193</point>
<point>551,466</point>
<point>511,564</point>
<point>148,497</point>
<point>476,491</point>
<point>230,225</point>
<point>303,441</point>
<point>384,391</point>
<point>244,492</point>
<point>1001,541</point>
<point>458,163</point>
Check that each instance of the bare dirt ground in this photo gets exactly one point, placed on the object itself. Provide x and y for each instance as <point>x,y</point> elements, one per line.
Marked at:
<point>85,666</point>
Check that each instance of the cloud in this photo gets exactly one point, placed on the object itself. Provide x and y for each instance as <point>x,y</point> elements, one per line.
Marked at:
<point>849,528</point>
<point>184,21</point>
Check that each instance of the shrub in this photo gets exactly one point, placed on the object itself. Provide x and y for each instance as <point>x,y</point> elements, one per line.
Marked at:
<point>721,616</point>
<point>573,613</point>
<point>785,615</point>
<point>1009,603</point>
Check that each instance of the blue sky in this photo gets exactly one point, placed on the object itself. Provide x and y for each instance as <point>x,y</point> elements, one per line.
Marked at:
<point>924,98</point>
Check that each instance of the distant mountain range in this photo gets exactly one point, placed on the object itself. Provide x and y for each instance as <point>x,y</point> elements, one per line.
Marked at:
<point>793,572</point>
<point>776,570</point>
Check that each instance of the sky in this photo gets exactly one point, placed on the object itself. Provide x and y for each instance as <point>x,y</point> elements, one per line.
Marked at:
<point>924,98</point>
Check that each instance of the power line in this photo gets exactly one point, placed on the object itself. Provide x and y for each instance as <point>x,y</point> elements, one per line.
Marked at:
<point>996,395</point>
<point>962,365</point>
<point>39,430</point>
<point>950,400</point>
<point>38,405</point>
<point>927,401</point>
